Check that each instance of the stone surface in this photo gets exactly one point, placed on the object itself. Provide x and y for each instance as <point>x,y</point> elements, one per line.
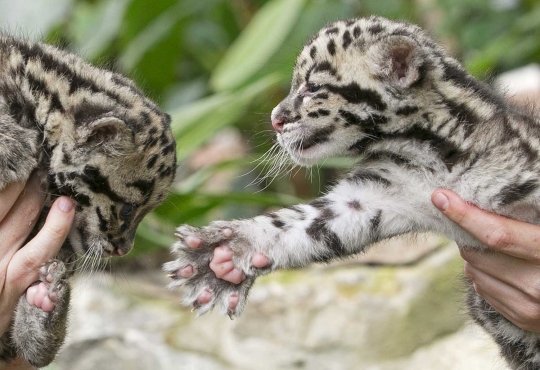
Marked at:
<point>332,317</point>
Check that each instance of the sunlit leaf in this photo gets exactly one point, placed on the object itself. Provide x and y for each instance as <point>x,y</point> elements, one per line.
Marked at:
<point>32,18</point>
<point>95,26</point>
<point>263,36</point>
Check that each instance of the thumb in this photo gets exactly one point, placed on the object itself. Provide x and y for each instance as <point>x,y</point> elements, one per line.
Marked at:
<point>23,268</point>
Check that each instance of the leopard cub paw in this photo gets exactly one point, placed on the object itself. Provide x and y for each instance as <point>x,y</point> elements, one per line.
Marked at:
<point>203,288</point>
<point>51,286</point>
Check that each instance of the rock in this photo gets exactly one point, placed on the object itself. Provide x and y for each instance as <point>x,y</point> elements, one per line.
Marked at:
<point>470,348</point>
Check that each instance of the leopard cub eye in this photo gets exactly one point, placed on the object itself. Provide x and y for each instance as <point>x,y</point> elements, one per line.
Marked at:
<point>309,88</point>
<point>313,88</point>
<point>127,209</point>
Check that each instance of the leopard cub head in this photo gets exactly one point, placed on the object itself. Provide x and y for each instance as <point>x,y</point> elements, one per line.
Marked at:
<point>115,156</point>
<point>352,81</point>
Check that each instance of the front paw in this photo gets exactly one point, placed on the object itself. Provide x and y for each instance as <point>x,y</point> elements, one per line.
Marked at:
<point>214,266</point>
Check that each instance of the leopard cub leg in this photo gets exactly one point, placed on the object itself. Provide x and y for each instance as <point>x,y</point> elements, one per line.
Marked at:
<point>39,325</point>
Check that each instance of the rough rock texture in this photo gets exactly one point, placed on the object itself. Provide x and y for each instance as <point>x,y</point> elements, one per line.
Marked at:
<point>334,317</point>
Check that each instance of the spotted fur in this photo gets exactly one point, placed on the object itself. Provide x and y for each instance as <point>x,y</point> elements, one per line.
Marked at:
<point>385,92</point>
<point>93,136</point>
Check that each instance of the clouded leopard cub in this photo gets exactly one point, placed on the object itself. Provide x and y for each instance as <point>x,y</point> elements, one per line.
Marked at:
<point>92,135</point>
<point>383,91</point>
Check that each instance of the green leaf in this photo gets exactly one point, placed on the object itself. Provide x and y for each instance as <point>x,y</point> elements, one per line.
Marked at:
<point>196,123</point>
<point>149,236</point>
<point>96,26</point>
<point>191,207</point>
<point>263,36</point>
<point>154,32</point>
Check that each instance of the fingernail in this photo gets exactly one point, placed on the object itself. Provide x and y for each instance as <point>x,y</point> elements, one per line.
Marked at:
<point>440,201</point>
<point>65,204</point>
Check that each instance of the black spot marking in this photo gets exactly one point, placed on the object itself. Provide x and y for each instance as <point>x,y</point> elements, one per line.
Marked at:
<point>331,46</point>
<point>367,176</point>
<point>98,183</point>
<point>313,115</point>
<point>356,32</point>
<point>319,231</point>
<point>332,31</point>
<point>319,137</point>
<point>346,39</point>
<point>321,96</point>
<point>168,149</point>
<point>313,52</point>
<point>458,76</point>
<point>375,29</point>
<point>407,110</point>
<point>398,159</point>
<point>144,186</point>
<point>277,221</point>
<point>349,117</point>
<point>36,84</point>
<point>319,203</point>
<point>354,204</point>
<point>325,67</point>
<point>375,222</point>
<point>152,161</point>
<point>447,151</point>
<point>324,112</point>
<point>353,119</point>
<point>102,221</point>
<point>56,104</point>
<point>517,191</point>
<point>356,95</point>
<point>466,118</point>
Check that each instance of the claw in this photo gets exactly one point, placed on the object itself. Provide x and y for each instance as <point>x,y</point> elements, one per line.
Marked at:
<point>52,266</point>
<point>179,236</point>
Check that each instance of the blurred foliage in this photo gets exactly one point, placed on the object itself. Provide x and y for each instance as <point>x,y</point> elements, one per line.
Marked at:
<point>226,63</point>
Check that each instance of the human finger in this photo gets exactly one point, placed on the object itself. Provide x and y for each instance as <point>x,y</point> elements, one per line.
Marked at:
<point>516,272</point>
<point>24,266</point>
<point>508,301</point>
<point>509,236</point>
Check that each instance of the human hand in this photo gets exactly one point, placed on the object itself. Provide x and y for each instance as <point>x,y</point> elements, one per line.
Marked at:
<point>508,275</point>
<point>20,206</point>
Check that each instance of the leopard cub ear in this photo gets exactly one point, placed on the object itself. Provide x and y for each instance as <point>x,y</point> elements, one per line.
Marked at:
<point>107,130</point>
<point>397,60</point>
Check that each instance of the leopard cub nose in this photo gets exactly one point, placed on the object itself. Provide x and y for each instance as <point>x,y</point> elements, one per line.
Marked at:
<point>278,123</point>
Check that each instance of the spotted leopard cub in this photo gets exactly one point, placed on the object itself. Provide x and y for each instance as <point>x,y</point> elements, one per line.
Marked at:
<point>93,136</point>
<point>384,92</point>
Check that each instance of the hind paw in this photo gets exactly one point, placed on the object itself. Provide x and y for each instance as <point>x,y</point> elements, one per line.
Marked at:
<point>45,293</point>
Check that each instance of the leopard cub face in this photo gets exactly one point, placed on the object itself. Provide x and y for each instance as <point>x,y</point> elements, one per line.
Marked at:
<point>116,157</point>
<point>351,81</point>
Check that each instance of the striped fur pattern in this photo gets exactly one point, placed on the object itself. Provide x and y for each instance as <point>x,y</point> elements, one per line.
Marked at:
<point>385,92</point>
<point>93,136</point>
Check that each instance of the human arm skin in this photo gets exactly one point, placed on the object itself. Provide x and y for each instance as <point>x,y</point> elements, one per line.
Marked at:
<point>508,275</point>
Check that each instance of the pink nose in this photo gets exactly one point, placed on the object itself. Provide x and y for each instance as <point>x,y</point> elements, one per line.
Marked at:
<point>278,124</point>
